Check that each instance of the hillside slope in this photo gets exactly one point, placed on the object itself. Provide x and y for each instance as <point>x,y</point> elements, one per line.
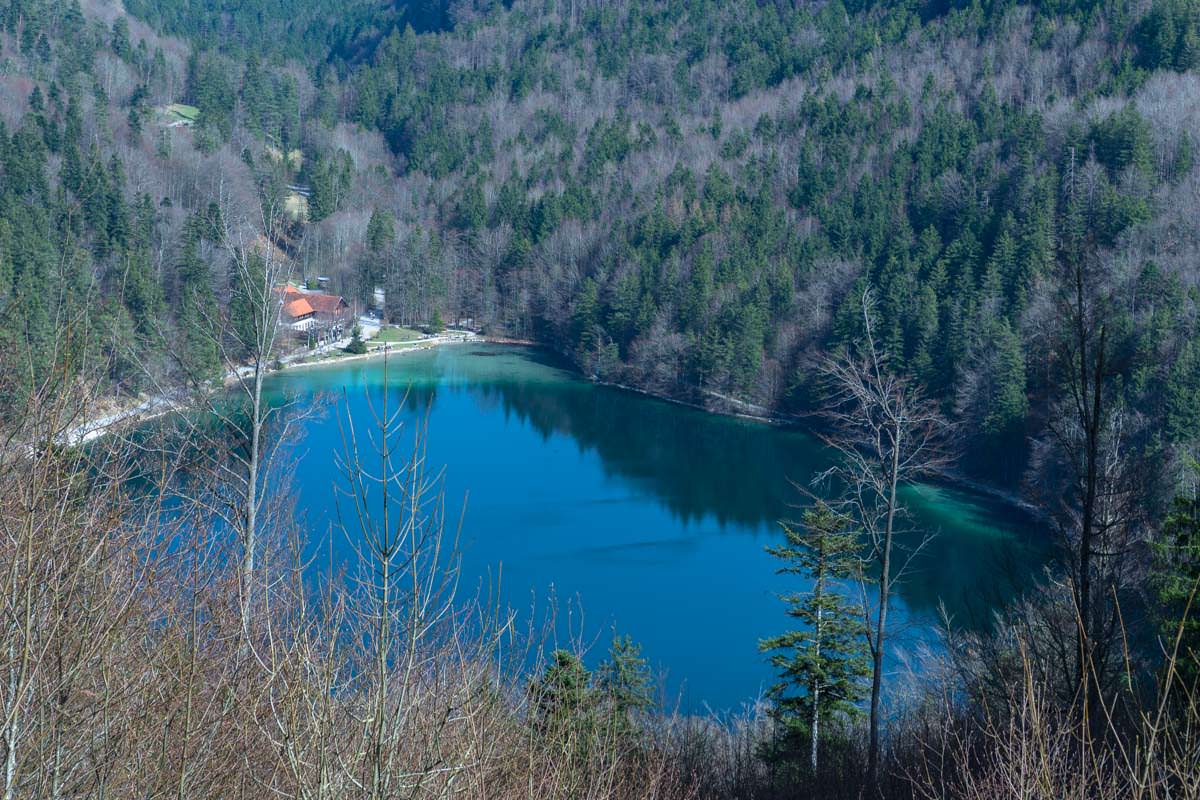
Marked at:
<point>692,196</point>
<point>122,167</point>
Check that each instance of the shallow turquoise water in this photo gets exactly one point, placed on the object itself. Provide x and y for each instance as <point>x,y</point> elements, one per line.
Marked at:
<point>637,513</point>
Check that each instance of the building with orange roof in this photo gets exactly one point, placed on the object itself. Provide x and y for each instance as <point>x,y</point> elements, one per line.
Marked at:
<point>298,313</point>
<point>298,310</point>
<point>307,311</point>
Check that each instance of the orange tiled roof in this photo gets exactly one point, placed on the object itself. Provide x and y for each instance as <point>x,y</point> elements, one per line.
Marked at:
<point>325,303</point>
<point>297,308</point>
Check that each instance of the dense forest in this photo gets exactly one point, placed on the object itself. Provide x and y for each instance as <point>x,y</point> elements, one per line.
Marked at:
<point>687,197</point>
<point>969,223</point>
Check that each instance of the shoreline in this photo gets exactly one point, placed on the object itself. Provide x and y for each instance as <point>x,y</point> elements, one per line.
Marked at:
<point>734,409</point>
<point>765,417</point>
<point>154,407</point>
<point>393,349</point>
<point>150,407</point>
<point>753,413</point>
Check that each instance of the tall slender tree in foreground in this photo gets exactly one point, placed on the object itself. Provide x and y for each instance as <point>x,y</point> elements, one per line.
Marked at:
<point>1101,514</point>
<point>241,341</point>
<point>887,436</point>
<point>258,269</point>
<point>822,665</point>
<point>392,511</point>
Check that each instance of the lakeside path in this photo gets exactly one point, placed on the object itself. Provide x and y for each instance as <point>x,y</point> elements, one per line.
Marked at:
<point>388,349</point>
<point>144,408</point>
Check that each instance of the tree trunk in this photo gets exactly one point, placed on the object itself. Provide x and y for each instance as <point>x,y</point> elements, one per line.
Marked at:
<point>10,753</point>
<point>816,723</point>
<point>1091,412</point>
<point>250,534</point>
<point>885,577</point>
<point>814,690</point>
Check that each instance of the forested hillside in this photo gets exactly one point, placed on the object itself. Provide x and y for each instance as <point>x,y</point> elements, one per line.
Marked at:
<point>962,238</point>
<point>691,196</point>
<point>685,196</point>
<point>126,161</point>
<point>304,29</point>
<point>78,240</point>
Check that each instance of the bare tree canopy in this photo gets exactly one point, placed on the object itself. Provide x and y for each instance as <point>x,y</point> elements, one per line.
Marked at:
<point>886,436</point>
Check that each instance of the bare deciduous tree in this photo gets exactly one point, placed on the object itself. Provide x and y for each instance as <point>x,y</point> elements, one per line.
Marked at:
<point>232,439</point>
<point>887,436</point>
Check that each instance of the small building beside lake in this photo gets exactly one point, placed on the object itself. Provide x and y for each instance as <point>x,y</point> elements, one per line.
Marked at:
<point>314,313</point>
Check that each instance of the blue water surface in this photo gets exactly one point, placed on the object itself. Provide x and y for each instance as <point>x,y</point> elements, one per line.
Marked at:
<point>635,514</point>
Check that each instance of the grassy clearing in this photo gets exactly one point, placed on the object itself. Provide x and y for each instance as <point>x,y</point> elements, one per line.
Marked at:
<point>178,112</point>
<point>296,206</point>
<point>294,158</point>
<point>397,334</point>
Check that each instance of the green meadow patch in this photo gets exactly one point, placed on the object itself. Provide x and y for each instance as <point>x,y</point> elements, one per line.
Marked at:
<point>397,335</point>
<point>179,113</point>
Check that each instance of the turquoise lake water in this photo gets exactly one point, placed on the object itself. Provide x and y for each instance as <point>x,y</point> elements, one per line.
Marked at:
<point>636,513</point>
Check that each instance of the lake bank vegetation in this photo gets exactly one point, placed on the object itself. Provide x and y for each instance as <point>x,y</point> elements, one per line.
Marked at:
<point>158,645</point>
<point>675,196</point>
<point>963,233</point>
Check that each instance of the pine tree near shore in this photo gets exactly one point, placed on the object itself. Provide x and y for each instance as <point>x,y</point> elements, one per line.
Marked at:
<point>1175,582</point>
<point>822,665</point>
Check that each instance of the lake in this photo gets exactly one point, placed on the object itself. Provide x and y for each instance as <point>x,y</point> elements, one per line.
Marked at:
<point>640,514</point>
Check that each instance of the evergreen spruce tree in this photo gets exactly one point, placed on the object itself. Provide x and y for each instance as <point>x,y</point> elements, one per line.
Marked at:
<point>320,201</point>
<point>625,685</point>
<point>254,94</point>
<point>823,664</point>
<point>120,42</point>
<point>381,231</point>
<point>196,314</point>
<point>140,290</point>
<point>564,705</point>
<point>1181,395</point>
<point>1008,405</point>
<point>357,346</point>
<point>1175,579</point>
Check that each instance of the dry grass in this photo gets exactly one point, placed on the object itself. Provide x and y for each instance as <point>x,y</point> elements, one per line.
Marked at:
<point>126,668</point>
